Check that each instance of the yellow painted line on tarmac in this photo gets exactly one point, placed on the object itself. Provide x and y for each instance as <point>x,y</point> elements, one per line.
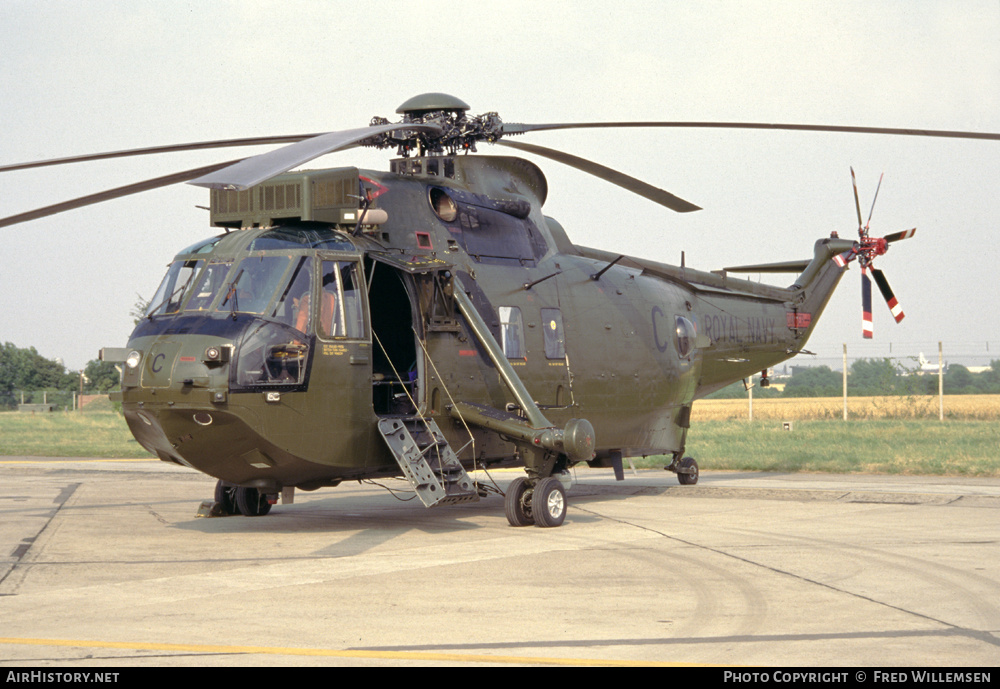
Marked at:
<point>413,656</point>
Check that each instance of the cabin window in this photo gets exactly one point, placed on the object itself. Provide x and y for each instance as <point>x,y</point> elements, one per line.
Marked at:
<point>340,310</point>
<point>170,294</point>
<point>511,332</point>
<point>552,330</point>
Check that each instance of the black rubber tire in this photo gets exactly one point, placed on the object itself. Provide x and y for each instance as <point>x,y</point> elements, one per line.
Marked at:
<point>225,496</point>
<point>251,502</point>
<point>518,513</point>
<point>688,479</point>
<point>548,502</point>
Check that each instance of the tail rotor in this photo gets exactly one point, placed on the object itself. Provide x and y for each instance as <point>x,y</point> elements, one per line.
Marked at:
<point>865,250</point>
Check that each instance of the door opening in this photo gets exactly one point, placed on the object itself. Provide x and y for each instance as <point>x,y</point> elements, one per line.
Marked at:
<point>395,366</point>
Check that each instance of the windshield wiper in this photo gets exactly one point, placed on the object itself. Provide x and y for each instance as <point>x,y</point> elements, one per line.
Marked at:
<point>170,297</point>
<point>233,296</point>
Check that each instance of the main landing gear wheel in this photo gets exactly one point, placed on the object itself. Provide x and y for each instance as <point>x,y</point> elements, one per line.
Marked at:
<point>225,496</point>
<point>517,503</point>
<point>252,502</point>
<point>548,502</point>
<point>690,476</point>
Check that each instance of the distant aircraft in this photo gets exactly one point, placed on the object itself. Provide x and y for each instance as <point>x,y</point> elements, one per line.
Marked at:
<point>928,367</point>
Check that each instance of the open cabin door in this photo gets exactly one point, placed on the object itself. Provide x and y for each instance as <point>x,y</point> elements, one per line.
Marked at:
<point>406,298</point>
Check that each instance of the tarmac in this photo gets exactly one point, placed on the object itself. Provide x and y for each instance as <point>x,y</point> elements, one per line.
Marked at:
<point>104,563</point>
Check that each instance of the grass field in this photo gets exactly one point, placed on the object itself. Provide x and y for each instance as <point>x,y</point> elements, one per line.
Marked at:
<point>883,435</point>
<point>67,434</point>
<point>896,446</point>
<point>966,407</point>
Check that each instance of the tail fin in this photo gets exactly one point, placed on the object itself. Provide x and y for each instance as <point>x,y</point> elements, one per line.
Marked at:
<point>816,281</point>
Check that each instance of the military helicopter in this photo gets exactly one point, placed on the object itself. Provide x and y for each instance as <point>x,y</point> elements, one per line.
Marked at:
<point>428,321</point>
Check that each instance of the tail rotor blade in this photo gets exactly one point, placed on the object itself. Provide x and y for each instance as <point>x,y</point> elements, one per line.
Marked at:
<point>866,306</point>
<point>873,200</point>
<point>890,298</point>
<point>896,236</point>
<point>857,204</point>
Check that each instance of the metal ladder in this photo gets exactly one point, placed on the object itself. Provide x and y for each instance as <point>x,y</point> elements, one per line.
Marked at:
<point>427,461</point>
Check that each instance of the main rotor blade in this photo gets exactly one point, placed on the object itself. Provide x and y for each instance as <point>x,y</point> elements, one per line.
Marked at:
<point>109,194</point>
<point>257,169</point>
<point>890,298</point>
<point>867,331</point>
<point>173,148</point>
<point>512,128</point>
<point>637,186</point>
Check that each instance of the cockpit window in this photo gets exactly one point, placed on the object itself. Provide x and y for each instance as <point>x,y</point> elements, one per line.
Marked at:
<point>256,280</point>
<point>203,247</point>
<point>292,307</point>
<point>295,237</point>
<point>171,292</point>
<point>209,284</point>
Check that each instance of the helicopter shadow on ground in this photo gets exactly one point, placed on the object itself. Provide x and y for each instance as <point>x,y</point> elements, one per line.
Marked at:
<point>355,530</point>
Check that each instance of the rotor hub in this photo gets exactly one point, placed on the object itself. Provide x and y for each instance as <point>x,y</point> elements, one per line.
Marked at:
<point>459,133</point>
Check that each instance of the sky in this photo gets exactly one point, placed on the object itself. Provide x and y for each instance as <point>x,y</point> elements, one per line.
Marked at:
<point>82,76</point>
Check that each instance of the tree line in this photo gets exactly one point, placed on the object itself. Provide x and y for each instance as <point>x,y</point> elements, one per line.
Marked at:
<point>24,370</point>
<point>876,377</point>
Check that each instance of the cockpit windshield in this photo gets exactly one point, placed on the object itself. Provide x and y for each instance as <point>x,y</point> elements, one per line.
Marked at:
<point>275,281</point>
<point>256,280</point>
<point>273,286</point>
<point>211,282</point>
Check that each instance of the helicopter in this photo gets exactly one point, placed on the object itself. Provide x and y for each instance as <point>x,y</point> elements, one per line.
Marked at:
<point>430,320</point>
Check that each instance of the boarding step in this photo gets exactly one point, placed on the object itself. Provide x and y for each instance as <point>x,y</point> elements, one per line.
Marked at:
<point>427,461</point>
